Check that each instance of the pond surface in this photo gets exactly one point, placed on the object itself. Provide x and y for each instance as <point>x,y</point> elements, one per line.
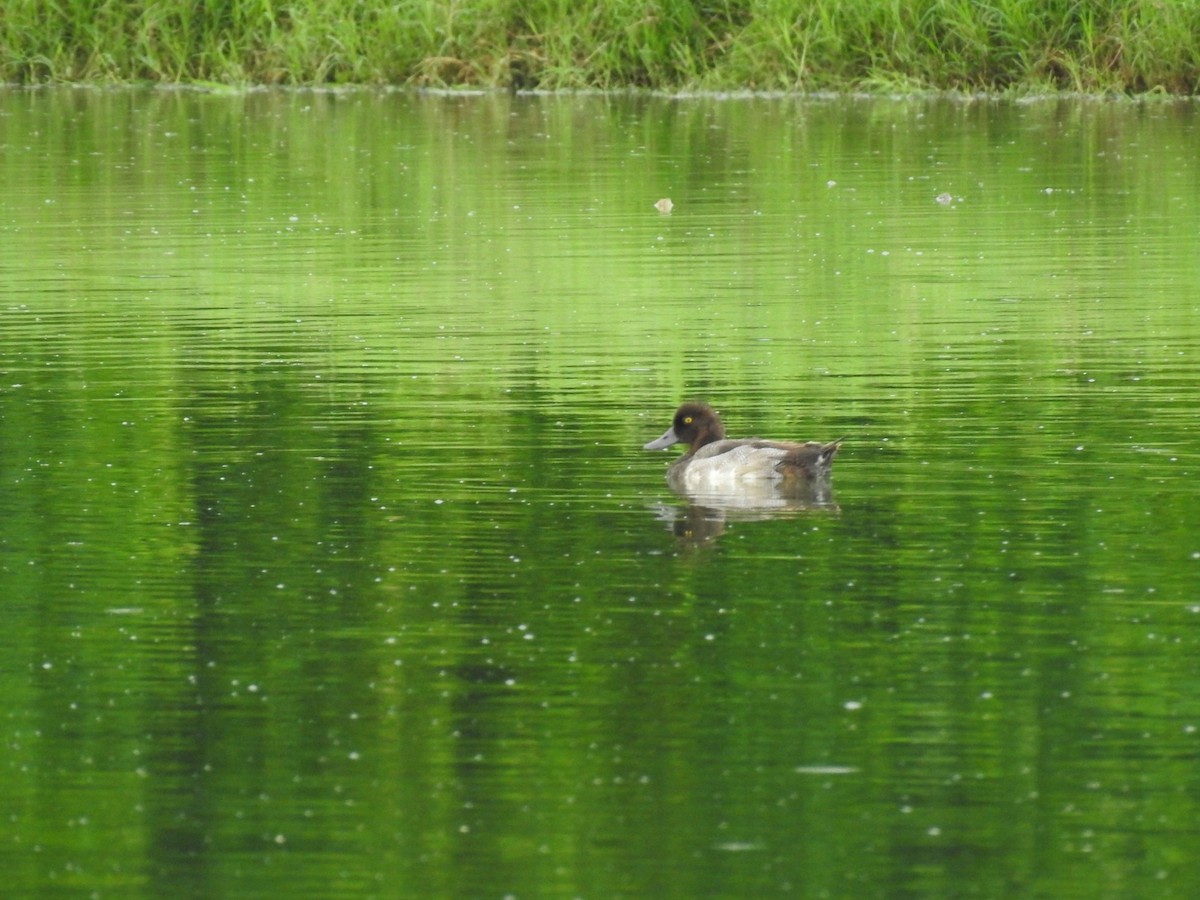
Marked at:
<point>332,565</point>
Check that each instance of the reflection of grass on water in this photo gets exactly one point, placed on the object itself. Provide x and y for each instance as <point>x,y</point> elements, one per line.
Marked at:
<point>1029,45</point>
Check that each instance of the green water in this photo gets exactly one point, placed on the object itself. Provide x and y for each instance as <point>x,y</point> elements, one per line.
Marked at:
<point>331,564</point>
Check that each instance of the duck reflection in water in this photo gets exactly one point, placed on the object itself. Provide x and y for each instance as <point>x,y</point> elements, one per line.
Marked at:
<point>740,479</point>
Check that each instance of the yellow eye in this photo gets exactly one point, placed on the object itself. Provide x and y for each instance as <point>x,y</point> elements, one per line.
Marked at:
<point>687,420</point>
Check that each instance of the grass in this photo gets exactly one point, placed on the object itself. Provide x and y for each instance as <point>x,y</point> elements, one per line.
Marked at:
<point>1132,46</point>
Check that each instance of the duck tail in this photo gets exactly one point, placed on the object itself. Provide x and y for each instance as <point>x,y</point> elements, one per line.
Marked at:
<point>829,451</point>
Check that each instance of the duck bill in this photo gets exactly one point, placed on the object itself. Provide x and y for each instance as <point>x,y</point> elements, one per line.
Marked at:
<point>663,443</point>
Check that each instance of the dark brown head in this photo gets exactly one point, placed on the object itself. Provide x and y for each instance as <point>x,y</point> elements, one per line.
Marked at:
<point>695,424</point>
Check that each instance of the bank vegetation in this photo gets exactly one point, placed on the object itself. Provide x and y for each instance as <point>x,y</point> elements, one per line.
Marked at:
<point>1095,46</point>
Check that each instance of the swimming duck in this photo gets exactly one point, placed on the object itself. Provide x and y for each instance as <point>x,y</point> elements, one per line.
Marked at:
<point>715,463</point>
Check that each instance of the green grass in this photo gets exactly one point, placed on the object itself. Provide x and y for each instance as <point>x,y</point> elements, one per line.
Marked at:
<point>1130,46</point>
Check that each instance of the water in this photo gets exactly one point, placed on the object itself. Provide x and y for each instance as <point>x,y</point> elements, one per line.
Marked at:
<point>332,565</point>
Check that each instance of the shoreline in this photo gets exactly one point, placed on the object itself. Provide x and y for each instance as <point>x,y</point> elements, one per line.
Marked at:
<point>825,96</point>
<point>1126,47</point>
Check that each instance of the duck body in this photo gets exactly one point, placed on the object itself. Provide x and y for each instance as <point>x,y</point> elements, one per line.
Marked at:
<point>715,463</point>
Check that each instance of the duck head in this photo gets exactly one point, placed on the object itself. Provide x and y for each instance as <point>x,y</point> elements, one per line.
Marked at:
<point>695,424</point>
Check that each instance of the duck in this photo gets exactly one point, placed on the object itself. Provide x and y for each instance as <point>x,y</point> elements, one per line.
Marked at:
<point>716,463</point>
